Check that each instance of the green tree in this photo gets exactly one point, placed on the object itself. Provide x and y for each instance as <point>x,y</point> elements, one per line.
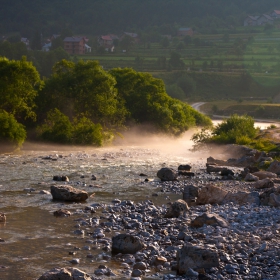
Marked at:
<point>83,87</point>
<point>126,43</point>
<point>57,43</point>
<point>147,102</point>
<point>57,128</point>
<point>175,60</point>
<point>165,42</point>
<point>19,84</point>
<point>187,40</point>
<point>11,131</point>
<point>85,132</point>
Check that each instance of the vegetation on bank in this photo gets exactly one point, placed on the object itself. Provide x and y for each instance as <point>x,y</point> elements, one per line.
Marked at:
<point>81,103</point>
<point>236,130</point>
<point>256,108</point>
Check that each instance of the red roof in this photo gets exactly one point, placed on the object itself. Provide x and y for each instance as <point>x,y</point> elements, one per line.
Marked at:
<point>277,12</point>
<point>106,38</point>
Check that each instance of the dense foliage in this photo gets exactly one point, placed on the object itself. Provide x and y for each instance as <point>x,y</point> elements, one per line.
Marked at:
<point>11,131</point>
<point>82,131</point>
<point>147,102</point>
<point>83,104</point>
<point>234,130</point>
<point>97,17</point>
<point>18,87</point>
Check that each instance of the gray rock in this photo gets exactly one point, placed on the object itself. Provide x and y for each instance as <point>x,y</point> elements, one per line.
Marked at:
<point>211,195</point>
<point>209,219</point>
<point>242,198</point>
<point>167,174</point>
<point>195,257</point>
<point>251,178</point>
<point>68,193</point>
<point>263,184</point>
<point>274,167</point>
<point>190,192</point>
<point>184,167</point>
<point>126,244</point>
<point>177,208</point>
<point>274,200</point>
<point>264,174</point>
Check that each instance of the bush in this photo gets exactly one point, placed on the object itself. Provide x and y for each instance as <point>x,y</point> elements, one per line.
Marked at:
<point>85,132</point>
<point>57,128</point>
<point>235,129</point>
<point>82,131</point>
<point>11,131</point>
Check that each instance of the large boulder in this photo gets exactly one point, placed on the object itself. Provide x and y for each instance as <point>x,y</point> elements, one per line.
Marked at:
<point>194,257</point>
<point>209,219</point>
<point>274,200</point>
<point>211,195</point>
<point>263,184</point>
<point>190,192</point>
<point>68,193</point>
<point>126,244</point>
<point>274,167</point>
<point>264,174</point>
<point>242,198</point>
<point>68,273</point>
<point>167,174</point>
<point>177,208</point>
<point>251,178</point>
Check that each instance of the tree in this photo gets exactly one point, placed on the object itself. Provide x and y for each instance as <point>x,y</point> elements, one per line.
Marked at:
<point>147,102</point>
<point>11,131</point>
<point>19,84</point>
<point>36,42</point>
<point>86,88</point>
<point>57,43</point>
<point>175,60</point>
<point>164,42</point>
<point>126,42</point>
<point>187,40</point>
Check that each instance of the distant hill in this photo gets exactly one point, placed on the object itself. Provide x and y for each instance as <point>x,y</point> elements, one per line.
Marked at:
<point>94,17</point>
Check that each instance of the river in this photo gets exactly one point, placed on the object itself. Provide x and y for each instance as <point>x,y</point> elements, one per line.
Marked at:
<point>35,240</point>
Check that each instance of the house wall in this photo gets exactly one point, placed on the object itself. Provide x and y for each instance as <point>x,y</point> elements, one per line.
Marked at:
<point>263,20</point>
<point>75,47</point>
<point>250,22</point>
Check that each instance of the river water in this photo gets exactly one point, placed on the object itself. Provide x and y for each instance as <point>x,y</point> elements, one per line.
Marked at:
<point>35,240</point>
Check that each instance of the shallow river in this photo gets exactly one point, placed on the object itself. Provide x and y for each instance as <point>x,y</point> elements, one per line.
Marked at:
<point>35,240</point>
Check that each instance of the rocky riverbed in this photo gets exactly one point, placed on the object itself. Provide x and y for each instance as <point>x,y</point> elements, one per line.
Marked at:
<point>229,230</point>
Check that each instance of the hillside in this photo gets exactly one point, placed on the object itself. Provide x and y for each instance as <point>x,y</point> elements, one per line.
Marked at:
<point>94,17</point>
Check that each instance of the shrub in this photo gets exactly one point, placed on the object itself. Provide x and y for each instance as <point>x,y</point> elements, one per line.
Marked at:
<point>57,128</point>
<point>85,132</point>
<point>11,131</point>
<point>234,128</point>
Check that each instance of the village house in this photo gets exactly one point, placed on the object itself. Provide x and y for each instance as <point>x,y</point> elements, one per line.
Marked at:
<point>25,41</point>
<point>275,14</point>
<point>134,36</point>
<point>108,41</point>
<point>264,19</point>
<point>75,45</point>
<point>251,21</point>
<point>185,31</point>
<point>258,20</point>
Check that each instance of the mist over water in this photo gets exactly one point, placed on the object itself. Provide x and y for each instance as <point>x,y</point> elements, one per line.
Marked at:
<point>36,241</point>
